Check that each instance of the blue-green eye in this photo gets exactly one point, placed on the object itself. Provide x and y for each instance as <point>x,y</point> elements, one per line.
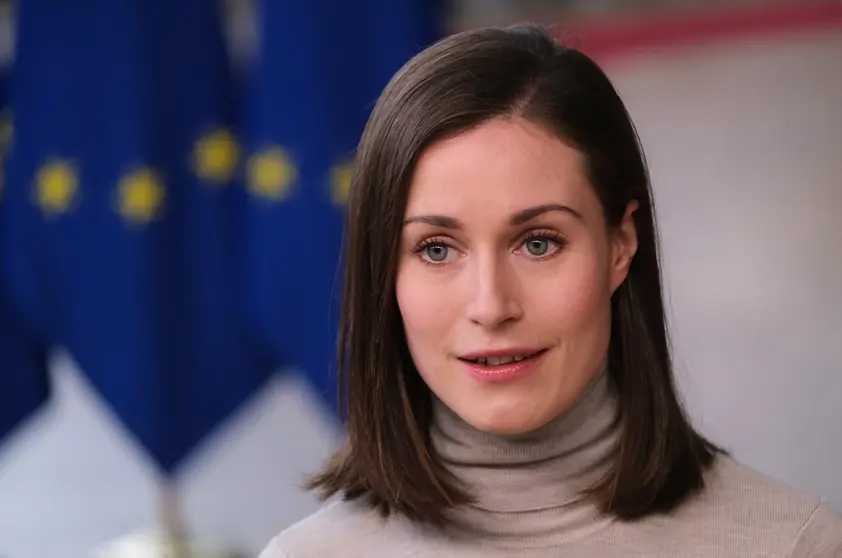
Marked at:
<point>538,246</point>
<point>433,251</point>
<point>542,244</point>
<point>436,252</point>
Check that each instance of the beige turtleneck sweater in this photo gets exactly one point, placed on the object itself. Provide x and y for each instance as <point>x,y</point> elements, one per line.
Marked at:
<point>528,505</point>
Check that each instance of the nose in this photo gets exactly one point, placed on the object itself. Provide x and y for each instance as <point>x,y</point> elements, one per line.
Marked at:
<point>494,299</point>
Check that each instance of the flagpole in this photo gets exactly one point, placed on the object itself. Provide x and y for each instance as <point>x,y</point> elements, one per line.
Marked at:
<point>170,537</point>
<point>171,518</point>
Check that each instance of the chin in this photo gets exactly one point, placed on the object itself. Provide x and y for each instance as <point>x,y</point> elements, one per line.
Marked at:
<point>510,421</point>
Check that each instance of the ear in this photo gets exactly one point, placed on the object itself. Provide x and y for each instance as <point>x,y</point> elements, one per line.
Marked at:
<point>623,246</point>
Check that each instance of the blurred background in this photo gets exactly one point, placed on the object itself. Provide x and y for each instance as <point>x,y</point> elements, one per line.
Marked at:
<point>171,214</point>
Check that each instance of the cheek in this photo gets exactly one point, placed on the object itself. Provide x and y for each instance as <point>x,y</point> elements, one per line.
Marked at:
<point>425,309</point>
<point>576,299</point>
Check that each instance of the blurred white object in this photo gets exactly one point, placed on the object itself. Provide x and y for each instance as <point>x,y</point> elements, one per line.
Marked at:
<point>156,544</point>
<point>172,539</point>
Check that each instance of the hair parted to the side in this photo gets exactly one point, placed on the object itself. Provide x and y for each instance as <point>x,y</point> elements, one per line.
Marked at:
<point>458,83</point>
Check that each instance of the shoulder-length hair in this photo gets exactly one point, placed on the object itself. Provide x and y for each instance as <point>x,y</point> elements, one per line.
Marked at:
<point>452,86</point>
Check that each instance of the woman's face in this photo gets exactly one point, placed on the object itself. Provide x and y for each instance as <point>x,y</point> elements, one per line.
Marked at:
<point>506,274</point>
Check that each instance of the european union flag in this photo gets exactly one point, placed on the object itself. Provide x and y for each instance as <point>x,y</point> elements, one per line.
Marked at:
<point>121,211</point>
<point>321,67</point>
<point>23,369</point>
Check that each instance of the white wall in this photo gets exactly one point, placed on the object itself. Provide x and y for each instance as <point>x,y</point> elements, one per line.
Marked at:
<point>745,158</point>
<point>744,144</point>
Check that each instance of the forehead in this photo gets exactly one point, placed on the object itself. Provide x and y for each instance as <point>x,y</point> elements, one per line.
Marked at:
<point>506,163</point>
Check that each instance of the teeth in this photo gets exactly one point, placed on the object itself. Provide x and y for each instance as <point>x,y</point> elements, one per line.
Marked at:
<point>497,361</point>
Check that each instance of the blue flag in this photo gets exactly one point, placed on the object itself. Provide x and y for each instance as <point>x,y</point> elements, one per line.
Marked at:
<point>23,369</point>
<point>122,218</point>
<point>321,67</point>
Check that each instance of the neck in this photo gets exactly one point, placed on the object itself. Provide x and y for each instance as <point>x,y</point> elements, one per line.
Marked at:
<point>528,488</point>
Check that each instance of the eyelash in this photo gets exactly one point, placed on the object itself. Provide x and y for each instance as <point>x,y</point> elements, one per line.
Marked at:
<point>546,234</point>
<point>542,234</point>
<point>426,243</point>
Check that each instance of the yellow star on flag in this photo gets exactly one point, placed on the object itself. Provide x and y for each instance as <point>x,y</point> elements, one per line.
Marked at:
<point>56,186</point>
<point>6,128</point>
<point>341,182</point>
<point>140,196</point>
<point>271,173</point>
<point>215,157</point>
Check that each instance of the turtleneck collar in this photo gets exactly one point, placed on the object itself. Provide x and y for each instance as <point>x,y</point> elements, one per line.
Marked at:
<point>528,487</point>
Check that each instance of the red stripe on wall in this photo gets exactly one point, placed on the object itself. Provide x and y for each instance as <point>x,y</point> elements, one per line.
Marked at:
<point>611,38</point>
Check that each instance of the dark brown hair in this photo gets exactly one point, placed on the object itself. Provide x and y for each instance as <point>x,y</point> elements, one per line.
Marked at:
<point>454,85</point>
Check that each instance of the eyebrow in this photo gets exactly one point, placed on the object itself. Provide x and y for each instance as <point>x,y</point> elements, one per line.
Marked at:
<point>519,218</point>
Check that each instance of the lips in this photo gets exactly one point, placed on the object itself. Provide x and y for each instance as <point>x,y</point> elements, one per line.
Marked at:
<point>498,360</point>
<point>503,366</point>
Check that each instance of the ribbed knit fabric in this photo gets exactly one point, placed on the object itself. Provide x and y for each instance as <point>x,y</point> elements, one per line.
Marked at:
<point>528,504</point>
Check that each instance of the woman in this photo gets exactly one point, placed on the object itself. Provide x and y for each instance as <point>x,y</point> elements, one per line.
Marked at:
<point>505,355</point>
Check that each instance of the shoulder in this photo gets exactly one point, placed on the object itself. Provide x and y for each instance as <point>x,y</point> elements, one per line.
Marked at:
<point>820,536</point>
<point>741,512</point>
<point>344,528</point>
<point>742,487</point>
<point>325,532</point>
<point>743,504</point>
